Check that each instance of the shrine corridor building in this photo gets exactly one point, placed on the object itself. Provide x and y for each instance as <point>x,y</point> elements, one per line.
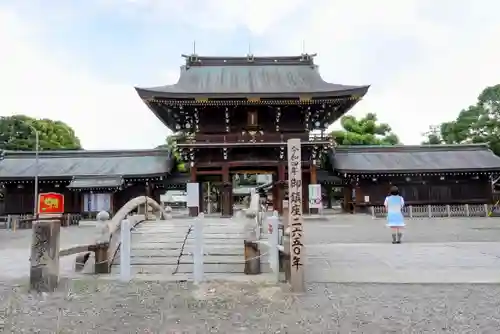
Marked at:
<point>234,115</point>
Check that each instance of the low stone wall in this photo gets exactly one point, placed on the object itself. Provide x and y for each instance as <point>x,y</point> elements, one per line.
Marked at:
<point>26,221</point>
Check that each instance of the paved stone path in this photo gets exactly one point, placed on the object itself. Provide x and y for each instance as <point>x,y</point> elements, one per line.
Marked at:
<point>15,249</point>
<point>351,249</point>
<point>164,249</point>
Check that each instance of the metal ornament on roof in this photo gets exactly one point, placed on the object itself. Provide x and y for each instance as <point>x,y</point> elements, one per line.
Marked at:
<point>282,152</point>
<point>278,117</point>
<point>226,116</point>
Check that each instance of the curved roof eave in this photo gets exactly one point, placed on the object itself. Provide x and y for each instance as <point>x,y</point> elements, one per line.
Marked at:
<point>173,92</point>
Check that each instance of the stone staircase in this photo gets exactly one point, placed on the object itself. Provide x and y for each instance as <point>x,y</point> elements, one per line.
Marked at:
<point>163,249</point>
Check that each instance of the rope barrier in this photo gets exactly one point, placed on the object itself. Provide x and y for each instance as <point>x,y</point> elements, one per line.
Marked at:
<point>182,250</point>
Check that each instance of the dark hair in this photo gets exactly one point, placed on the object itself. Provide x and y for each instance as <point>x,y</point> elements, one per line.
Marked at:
<point>394,191</point>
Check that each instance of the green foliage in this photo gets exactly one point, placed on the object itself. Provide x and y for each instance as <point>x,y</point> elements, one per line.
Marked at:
<point>16,134</point>
<point>479,123</point>
<point>246,180</point>
<point>171,143</point>
<point>364,131</point>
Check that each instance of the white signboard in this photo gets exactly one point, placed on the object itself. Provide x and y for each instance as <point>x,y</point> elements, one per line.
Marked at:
<point>96,202</point>
<point>295,214</point>
<point>315,196</point>
<point>367,199</point>
<point>193,194</point>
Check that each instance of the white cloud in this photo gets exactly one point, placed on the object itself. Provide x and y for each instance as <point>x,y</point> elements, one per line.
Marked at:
<point>453,57</point>
<point>33,82</point>
<point>457,56</point>
<point>257,15</point>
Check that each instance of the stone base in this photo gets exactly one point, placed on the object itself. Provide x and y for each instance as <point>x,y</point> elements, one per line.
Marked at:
<point>41,280</point>
<point>314,211</point>
<point>193,211</point>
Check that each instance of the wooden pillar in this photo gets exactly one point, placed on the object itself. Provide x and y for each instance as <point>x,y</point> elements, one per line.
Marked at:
<point>227,193</point>
<point>347,198</point>
<point>44,259</point>
<point>305,191</point>
<point>252,258</point>
<point>281,187</point>
<point>276,205</point>
<point>313,179</point>
<point>193,210</point>
<point>101,265</point>
<point>329,190</point>
<point>76,201</point>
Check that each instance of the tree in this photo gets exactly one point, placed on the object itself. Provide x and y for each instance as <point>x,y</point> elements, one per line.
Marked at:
<point>479,123</point>
<point>16,134</point>
<point>364,131</point>
<point>171,144</point>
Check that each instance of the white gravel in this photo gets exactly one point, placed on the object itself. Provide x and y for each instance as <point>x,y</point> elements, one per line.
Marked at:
<point>99,306</point>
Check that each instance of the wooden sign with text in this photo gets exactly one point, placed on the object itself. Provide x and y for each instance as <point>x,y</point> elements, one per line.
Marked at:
<point>50,203</point>
<point>295,212</point>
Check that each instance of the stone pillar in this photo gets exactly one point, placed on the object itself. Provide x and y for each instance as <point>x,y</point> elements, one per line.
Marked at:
<point>313,180</point>
<point>44,260</point>
<point>193,211</point>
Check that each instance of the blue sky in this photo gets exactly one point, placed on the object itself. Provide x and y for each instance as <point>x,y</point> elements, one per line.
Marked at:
<point>78,60</point>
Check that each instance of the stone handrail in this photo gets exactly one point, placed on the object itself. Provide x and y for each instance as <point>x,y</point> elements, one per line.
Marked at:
<point>45,250</point>
<point>108,244</point>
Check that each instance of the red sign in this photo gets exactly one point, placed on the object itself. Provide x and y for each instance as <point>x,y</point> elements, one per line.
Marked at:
<point>50,203</point>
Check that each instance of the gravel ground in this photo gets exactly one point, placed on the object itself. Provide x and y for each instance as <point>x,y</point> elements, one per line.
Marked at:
<point>99,306</point>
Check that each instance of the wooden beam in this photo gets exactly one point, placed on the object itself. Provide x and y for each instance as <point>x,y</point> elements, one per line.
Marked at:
<point>209,172</point>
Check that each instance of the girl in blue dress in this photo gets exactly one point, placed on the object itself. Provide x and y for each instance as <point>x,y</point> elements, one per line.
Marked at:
<point>394,204</point>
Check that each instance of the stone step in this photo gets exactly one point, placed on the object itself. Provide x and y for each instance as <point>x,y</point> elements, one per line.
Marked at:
<point>182,233</point>
<point>185,259</point>
<point>166,239</point>
<point>190,247</point>
<point>187,268</point>
<point>187,251</point>
<point>185,224</point>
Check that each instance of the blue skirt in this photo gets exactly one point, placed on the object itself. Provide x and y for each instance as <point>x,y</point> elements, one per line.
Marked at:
<point>395,219</point>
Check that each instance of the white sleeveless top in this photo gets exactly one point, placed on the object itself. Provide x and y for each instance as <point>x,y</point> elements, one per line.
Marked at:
<point>394,203</point>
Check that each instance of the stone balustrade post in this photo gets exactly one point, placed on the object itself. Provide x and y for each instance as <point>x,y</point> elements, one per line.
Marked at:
<point>44,260</point>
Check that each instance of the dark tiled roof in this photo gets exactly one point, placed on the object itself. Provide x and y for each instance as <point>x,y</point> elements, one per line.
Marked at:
<point>426,158</point>
<point>324,176</point>
<point>178,179</point>
<point>86,163</point>
<point>82,182</point>
<point>241,77</point>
